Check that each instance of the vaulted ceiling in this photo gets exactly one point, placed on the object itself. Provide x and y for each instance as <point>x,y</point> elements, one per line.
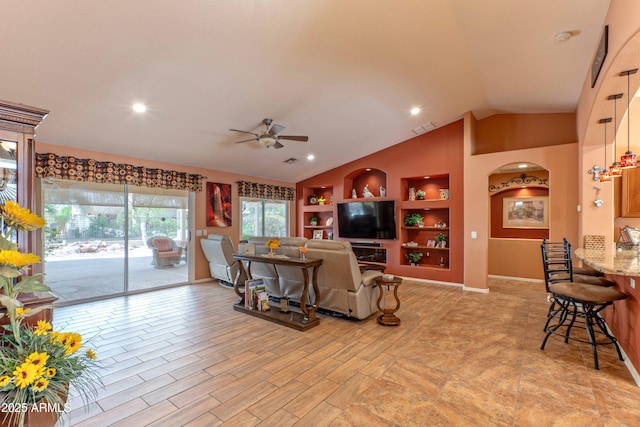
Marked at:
<point>346,73</point>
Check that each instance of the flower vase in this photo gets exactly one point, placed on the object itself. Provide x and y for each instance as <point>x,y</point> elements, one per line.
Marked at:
<point>271,253</point>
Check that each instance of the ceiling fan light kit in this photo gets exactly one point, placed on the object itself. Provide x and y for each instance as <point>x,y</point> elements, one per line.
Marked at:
<point>269,137</point>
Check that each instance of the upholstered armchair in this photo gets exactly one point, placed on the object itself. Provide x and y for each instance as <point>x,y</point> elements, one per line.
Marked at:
<point>165,251</point>
<point>218,249</point>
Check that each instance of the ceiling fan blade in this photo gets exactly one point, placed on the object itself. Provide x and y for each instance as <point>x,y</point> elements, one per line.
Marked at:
<point>244,131</point>
<point>294,138</point>
<point>275,129</point>
<point>247,140</point>
<point>277,145</point>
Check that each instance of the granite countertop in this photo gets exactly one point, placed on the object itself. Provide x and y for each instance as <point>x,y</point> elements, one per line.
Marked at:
<point>624,263</point>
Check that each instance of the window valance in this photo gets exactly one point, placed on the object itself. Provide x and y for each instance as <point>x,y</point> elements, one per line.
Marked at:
<point>265,191</point>
<point>88,170</point>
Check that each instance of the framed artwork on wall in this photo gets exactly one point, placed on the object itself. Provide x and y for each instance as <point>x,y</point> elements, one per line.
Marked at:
<point>317,234</point>
<point>525,212</point>
<point>218,204</point>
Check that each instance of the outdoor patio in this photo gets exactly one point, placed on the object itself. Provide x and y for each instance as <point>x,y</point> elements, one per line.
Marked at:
<point>89,276</point>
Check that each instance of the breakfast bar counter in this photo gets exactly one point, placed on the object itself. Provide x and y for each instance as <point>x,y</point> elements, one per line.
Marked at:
<point>623,319</point>
<point>623,263</point>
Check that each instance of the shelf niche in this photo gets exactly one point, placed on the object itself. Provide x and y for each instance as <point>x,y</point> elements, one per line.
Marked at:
<point>431,186</point>
<point>359,178</point>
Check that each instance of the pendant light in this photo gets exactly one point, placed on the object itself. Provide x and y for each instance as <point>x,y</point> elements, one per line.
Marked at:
<point>629,159</point>
<point>604,175</point>
<point>615,170</point>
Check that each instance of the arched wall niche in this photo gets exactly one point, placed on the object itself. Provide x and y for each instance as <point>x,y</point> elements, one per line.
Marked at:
<point>514,250</point>
<point>372,178</point>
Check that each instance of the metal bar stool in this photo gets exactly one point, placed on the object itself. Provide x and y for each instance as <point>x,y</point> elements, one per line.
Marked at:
<point>573,302</point>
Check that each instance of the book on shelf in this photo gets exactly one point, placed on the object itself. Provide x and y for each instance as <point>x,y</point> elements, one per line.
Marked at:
<point>262,301</point>
<point>250,289</point>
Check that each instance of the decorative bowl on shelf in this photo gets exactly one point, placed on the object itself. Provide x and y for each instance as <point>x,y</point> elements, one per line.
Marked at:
<point>411,244</point>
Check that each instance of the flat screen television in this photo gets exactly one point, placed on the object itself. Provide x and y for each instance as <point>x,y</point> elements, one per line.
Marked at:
<point>367,220</point>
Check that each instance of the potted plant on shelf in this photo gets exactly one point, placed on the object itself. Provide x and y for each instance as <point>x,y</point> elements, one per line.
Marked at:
<point>413,220</point>
<point>321,200</point>
<point>420,195</point>
<point>441,240</point>
<point>313,221</point>
<point>37,365</point>
<point>414,257</point>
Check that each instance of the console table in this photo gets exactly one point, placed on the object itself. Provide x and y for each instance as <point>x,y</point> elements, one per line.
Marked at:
<point>300,321</point>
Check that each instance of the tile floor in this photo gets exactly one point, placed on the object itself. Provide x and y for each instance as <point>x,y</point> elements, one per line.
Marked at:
<point>183,357</point>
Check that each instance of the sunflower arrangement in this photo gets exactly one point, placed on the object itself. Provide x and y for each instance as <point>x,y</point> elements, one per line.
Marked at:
<point>37,364</point>
<point>273,245</point>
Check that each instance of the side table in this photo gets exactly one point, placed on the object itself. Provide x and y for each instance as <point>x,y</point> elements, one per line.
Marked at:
<point>388,317</point>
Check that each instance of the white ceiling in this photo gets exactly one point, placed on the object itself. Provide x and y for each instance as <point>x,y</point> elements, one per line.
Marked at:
<point>344,72</point>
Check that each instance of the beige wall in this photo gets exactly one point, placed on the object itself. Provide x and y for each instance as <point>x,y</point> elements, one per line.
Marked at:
<point>515,258</point>
<point>201,267</point>
<point>624,45</point>
<point>563,198</point>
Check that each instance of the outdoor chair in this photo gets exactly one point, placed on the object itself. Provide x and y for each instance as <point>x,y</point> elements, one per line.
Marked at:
<point>165,251</point>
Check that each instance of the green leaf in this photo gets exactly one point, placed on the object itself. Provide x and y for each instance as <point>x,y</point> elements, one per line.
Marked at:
<point>9,303</point>
<point>10,271</point>
<point>7,245</point>
<point>31,284</point>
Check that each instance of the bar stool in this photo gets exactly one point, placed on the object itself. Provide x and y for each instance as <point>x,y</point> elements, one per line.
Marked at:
<point>573,302</point>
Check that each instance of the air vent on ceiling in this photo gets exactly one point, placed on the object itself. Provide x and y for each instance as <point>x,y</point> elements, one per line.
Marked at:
<point>291,160</point>
<point>424,128</point>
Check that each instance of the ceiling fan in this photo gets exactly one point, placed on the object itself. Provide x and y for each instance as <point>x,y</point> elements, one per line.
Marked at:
<point>269,137</point>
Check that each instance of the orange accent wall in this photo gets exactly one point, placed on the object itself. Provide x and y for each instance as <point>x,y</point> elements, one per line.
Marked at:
<point>439,152</point>
<point>503,132</point>
<point>201,267</point>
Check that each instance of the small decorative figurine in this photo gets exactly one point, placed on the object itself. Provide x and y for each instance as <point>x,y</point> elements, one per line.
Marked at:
<point>412,193</point>
<point>383,191</point>
<point>595,170</point>
<point>366,192</point>
<point>353,194</point>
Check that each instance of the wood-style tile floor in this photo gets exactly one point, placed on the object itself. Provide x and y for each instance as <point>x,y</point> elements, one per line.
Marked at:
<point>184,357</point>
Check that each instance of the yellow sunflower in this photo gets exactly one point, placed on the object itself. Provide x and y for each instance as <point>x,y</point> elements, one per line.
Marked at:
<point>91,354</point>
<point>51,372</point>
<point>4,380</point>
<point>43,327</point>
<point>20,218</point>
<point>73,343</point>
<point>25,374</point>
<point>20,311</point>
<point>40,384</point>
<point>37,359</point>
<point>17,259</point>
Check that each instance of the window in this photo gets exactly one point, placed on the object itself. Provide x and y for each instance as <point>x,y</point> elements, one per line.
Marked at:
<point>264,217</point>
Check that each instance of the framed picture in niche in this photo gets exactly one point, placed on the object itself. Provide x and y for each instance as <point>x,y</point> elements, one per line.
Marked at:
<point>525,212</point>
<point>318,234</point>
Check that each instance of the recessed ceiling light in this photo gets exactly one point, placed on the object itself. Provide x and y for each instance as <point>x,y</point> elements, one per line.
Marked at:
<point>139,108</point>
<point>427,177</point>
<point>415,110</point>
<point>311,157</point>
<point>522,166</point>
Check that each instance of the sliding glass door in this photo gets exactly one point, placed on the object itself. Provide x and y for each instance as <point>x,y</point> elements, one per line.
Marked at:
<point>95,239</point>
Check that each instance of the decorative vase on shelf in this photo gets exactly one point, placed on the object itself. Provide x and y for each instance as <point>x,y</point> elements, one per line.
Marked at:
<point>412,193</point>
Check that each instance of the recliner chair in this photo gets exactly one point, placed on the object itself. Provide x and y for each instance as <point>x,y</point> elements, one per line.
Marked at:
<point>218,249</point>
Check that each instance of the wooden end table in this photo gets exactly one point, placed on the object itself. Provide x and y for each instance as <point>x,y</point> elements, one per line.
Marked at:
<point>388,317</point>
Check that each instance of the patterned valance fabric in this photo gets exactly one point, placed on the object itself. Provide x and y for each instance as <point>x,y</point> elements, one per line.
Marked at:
<point>88,170</point>
<point>265,191</point>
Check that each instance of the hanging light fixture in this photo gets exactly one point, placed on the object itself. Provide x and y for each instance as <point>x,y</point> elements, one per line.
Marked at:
<point>629,159</point>
<point>615,170</point>
<point>604,175</point>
